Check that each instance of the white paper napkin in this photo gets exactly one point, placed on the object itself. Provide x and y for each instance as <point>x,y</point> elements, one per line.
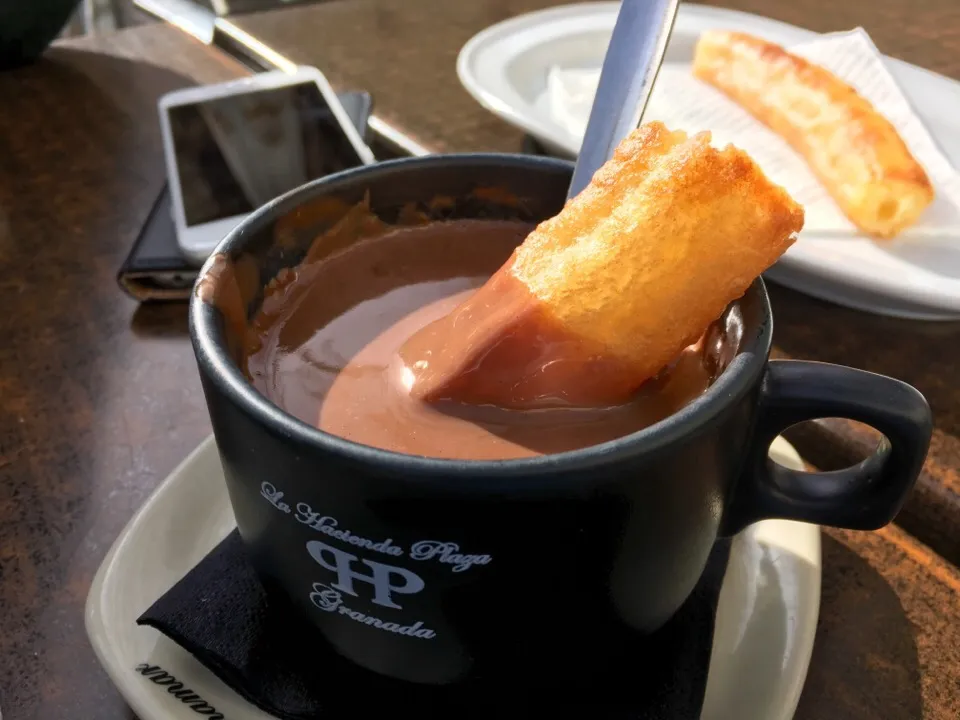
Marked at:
<point>683,102</point>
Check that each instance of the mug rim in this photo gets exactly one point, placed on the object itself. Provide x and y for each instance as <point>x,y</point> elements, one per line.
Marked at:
<point>214,359</point>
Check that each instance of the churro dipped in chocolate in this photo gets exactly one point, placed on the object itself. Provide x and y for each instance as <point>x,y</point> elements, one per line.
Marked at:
<point>602,297</point>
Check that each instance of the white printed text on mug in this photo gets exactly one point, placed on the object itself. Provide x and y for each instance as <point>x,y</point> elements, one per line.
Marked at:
<point>386,583</point>
<point>330,600</point>
<point>441,551</point>
<point>355,576</point>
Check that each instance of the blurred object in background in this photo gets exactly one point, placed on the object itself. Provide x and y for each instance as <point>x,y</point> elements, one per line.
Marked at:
<point>239,7</point>
<point>99,16</point>
<point>27,27</point>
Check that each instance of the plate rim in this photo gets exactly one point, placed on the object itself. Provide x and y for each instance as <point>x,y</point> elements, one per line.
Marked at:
<point>687,13</point>
<point>941,294</point>
<point>135,694</point>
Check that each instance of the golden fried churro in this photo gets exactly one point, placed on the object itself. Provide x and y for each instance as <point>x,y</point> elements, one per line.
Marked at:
<point>855,152</point>
<point>601,297</point>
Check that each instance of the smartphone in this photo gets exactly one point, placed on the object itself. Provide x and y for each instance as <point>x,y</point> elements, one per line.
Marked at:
<point>155,269</point>
<point>232,147</point>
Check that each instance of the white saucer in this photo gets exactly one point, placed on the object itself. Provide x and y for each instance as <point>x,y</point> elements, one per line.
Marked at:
<point>766,618</point>
<point>505,68</point>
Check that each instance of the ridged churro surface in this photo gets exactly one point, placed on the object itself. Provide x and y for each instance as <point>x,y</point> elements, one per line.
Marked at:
<point>600,298</point>
<point>664,237</point>
<point>856,153</point>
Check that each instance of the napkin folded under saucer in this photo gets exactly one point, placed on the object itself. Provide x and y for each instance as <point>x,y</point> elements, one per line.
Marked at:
<point>266,652</point>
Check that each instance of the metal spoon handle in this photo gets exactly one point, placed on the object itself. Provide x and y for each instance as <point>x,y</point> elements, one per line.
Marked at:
<point>630,67</point>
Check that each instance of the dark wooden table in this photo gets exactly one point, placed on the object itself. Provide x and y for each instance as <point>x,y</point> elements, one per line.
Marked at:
<point>100,398</point>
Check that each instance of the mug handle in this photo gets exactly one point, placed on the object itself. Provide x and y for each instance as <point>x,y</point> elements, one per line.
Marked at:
<point>865,496</point>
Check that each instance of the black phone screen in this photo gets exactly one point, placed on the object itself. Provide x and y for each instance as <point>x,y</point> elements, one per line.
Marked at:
<point>235,153</point>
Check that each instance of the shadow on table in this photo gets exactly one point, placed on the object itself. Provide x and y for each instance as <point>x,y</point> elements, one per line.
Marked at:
<point>160,320</point>
<point>814,329</point>
<point>80,167</point>
<point>920,353</point>
<point>864,661</point>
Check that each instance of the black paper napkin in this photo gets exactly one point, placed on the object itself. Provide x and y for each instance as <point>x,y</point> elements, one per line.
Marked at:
<point>265,651</point>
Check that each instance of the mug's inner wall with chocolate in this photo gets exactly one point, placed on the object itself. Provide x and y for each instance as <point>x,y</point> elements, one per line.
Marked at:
<point>318,309</point>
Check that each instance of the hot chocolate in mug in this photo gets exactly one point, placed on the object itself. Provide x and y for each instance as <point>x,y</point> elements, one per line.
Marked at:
<point>434,570</point>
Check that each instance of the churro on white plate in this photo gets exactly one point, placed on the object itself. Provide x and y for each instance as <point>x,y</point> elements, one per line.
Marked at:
<point>854,150</point>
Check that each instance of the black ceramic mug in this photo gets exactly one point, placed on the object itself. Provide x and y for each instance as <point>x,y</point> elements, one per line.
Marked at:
<point>437,570</point>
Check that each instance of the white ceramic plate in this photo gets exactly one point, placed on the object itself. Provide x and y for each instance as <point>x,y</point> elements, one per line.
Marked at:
<point>766,618</point>
<point>505,68</point>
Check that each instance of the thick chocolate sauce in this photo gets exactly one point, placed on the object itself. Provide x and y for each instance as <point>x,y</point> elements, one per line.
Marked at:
<point>325,347</point>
